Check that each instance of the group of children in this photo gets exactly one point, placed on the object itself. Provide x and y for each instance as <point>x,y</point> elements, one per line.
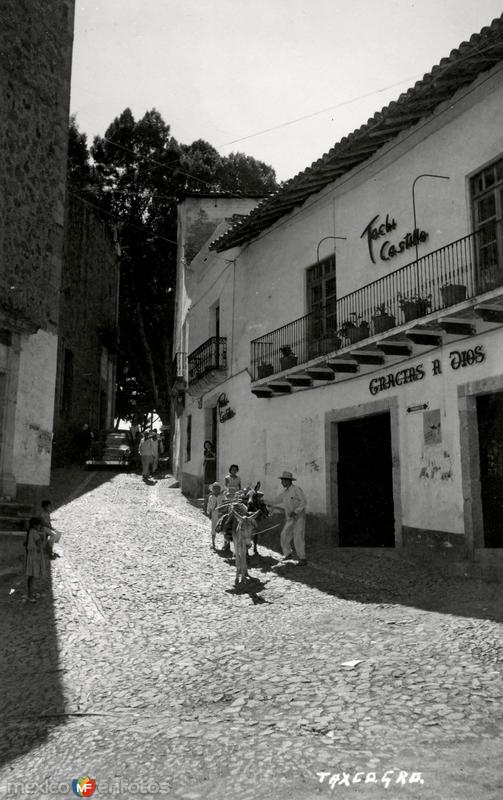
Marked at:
<point>39,546</point>
<point>235,513</point>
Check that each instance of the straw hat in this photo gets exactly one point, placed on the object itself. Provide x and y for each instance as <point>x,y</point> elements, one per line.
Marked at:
<point>287,476</point>
<point>215,485</point>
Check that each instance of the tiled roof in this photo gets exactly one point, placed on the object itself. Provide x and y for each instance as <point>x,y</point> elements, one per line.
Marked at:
<point>482,52</point>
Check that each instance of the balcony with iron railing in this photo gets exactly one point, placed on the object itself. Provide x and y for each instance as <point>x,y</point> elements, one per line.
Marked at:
<point>207,365</point>
<point>422,292</point>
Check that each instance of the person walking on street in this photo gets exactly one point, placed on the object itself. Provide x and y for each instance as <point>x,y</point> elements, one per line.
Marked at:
<point>147,449</point>
<point>156,444</point>
<point>215,500</point>
<point>293,500</point>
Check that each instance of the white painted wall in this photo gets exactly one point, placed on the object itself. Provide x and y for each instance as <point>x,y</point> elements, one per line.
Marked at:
<point>270,271</point>
<point>269,435</point>
<point>203,280</point>
<point>35,408</point>
<point>266,289</point>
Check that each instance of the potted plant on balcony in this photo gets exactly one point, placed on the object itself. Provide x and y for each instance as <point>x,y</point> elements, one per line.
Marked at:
<point>264,370</point>
<point>288,359</point>
<point>453,293</point>
<point>354,329</point>
<point>381,320</point>
<point>329,341</point>
<point>414,306</point>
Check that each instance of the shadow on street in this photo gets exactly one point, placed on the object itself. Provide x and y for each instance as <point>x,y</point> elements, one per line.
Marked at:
<point>382,578</point>
<point>31,692</point>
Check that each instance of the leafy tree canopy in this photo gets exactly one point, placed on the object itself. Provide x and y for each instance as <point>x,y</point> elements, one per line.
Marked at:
<point>136,174</point>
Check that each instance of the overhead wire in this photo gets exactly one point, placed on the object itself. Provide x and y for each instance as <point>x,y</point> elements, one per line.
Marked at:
<point>259,133</point>
<point>145,230</point>
<point>273,226</point>
<point>321,111</point>
<point>281,125</point>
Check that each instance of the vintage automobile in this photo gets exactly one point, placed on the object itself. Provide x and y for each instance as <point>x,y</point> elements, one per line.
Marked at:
<point>112,448</point>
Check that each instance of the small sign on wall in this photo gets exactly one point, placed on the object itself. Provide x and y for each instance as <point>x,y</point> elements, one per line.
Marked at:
<point>44,441</point>
<point>432,427</point>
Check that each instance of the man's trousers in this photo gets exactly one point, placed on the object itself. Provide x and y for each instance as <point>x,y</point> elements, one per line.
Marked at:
<point>147,463</point>
<point>294,530</point>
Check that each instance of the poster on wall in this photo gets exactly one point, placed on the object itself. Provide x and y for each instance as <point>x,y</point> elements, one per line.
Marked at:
<point>44,442</point>
<point>431,427</point>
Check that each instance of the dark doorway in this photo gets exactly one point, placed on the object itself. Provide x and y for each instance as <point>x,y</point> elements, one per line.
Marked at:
<point>365,483</point>
<point>490,422</point>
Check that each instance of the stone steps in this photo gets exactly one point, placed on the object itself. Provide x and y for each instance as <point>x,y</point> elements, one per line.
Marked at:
<point>14,523</point>
<point>11,508</point>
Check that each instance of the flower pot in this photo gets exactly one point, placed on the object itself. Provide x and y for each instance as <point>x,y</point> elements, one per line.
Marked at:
<point>287,362</point>
<point>264,370</point>
<point>412,309</point>
<point>383,322</point>
<point>329,343</point>
<point>453,293</point>
<point>357,333</point>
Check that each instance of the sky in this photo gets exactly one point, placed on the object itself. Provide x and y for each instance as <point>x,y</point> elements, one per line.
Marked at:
<point>229,71</point>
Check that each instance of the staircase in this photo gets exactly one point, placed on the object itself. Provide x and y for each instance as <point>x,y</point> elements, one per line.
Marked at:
<point>14,518</point>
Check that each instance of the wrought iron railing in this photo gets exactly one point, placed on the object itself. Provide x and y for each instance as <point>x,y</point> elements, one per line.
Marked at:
<point>212,355</point>
<point>463,269</point>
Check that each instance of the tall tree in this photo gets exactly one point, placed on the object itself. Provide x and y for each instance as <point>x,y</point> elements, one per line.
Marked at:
<point>139,172</point>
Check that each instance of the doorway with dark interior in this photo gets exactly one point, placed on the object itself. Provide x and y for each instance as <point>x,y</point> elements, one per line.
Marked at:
<point>365,482</point>
<point>490,427</point>
<point>210,446</point>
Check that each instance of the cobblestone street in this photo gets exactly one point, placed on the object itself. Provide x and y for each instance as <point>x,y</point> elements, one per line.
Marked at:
<point>143,666</point>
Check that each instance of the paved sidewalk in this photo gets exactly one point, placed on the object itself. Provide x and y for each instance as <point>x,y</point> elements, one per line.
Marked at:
<point>144,669</point>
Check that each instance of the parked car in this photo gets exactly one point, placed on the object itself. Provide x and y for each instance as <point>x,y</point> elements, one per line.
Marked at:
<point>111,448</point>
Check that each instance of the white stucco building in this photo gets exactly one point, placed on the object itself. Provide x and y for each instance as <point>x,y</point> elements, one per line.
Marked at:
<point>352,323</point>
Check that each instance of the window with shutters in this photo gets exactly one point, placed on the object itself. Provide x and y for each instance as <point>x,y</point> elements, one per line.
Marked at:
<point>487,210</point>
<point>321,297</point>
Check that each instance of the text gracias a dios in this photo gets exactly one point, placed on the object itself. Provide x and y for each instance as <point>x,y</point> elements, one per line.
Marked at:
<point>458,358</point>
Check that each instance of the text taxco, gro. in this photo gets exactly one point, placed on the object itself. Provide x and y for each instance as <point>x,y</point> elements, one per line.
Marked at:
<point>392,777</point>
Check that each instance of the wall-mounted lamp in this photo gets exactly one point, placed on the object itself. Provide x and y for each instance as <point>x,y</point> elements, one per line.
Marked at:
<point>423,175</point>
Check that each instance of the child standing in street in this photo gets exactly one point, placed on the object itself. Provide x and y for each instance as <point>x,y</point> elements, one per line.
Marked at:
<point>216,498</point>
<point>52,535</point>
<point>35,563</point>
<point>232,481</point>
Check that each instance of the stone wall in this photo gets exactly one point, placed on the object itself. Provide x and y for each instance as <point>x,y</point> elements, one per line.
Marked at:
<point>35,60</point>
<point>87,323</point>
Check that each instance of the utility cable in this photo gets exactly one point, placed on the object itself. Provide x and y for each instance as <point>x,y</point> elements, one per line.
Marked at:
<point>354,172</point>
<point>146,231</point>
<point>321,111</point>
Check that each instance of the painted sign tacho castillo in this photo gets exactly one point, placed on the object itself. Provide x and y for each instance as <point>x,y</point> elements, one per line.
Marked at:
<point>387,250</point>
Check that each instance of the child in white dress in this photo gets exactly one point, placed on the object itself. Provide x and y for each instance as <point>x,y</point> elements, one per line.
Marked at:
<point>216,498</point>
<point>233,481</point>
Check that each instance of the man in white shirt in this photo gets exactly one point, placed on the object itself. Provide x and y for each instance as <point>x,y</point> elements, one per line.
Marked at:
<point>293,500</point>
<point>147,450</point>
